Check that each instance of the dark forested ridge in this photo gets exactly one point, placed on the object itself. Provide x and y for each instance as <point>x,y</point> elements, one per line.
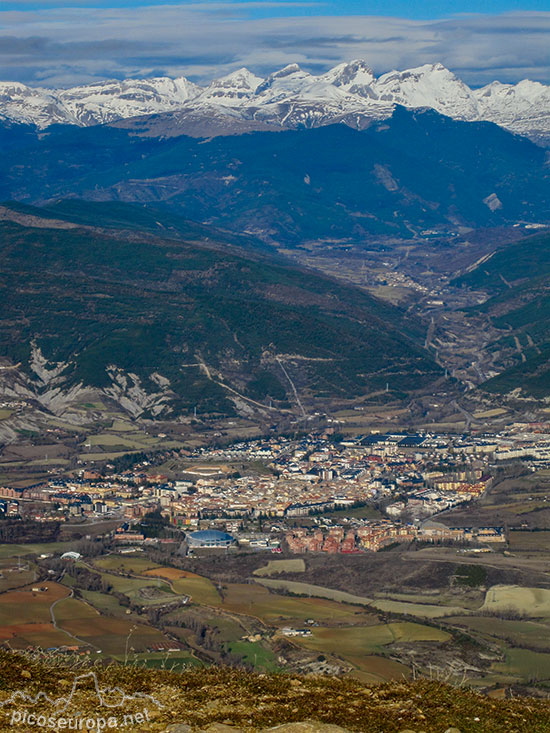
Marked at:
<point>185,315</point>
<point>417,171</point>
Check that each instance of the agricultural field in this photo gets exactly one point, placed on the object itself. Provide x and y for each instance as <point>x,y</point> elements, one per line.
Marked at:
<point>15,574</point>
<point>122,426</point>
<point>69,609</point>
<point>378,669</point>
<point>422,610</point>
<point>469,599</point>
<point>104,634</point>
<point>495,412</point>
<point>177,582</point>
<point>128,437</point>
<point>105,456</point>
<point>140,592</point>
<point>362,647</point>
<point>8,550</point>
<point>293,565</point>
<point>318,591</point>
<point>44,636</point>
<point>124,563</point>
<point>356,640</point>
<point>520,501</point>
<point>112,635</point>
<point>201,590</point>
<point>529,541</point>
<point>103,602</point>
<point>111,439</point>
<point>26,606</point>
<point>260,656</point>
<point>516,633</point>
<point>25,617</point>
<point>255,600</point>
<point>533,602</point>
<point>528,665</point>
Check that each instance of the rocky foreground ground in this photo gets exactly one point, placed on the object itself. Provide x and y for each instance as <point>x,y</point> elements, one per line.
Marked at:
<point>47,694</point>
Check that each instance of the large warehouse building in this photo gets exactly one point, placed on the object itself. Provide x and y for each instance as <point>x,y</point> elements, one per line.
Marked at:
<point>209,538</point>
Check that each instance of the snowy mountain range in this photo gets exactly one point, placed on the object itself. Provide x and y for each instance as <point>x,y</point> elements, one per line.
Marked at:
<point>288,98</point>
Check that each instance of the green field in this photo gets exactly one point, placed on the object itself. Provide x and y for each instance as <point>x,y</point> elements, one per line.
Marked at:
<point>124,563</point>
<point>255,654</point>
<point>295,565</point>
<point>140,591</point>
<point>516,633</point>
<point>360,512</point>
<point>8,550</point>
<point>122,426</point>
<point>201,590</point>
<point>526,664</point>
<point>110,439</point>
<point>368,639</point>
<point>71,608</point>
<point>104,602</point>
<point>165,583</point>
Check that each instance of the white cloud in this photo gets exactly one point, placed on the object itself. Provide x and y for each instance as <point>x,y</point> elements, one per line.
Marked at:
<point>203,40</point>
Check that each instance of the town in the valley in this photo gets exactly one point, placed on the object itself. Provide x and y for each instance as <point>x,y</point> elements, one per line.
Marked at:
<point>317,493</point>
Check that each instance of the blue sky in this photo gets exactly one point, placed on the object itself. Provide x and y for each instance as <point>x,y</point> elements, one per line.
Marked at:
<point>66,42</point>
<point>420,10</point>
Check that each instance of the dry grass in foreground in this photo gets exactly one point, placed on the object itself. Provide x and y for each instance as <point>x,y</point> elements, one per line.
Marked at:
<point>251,702</point>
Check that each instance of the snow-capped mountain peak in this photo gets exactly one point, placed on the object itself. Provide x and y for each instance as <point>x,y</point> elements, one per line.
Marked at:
<point>24,104</point>
<point>289,97</point>
<point>351,76</point>
<point>430,85</point>
<point>289,80</point>
<point>232,90</point>
<point>113,100</point>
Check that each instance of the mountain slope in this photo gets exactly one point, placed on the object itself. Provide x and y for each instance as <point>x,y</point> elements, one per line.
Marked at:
<point>518,279</point>
<point>160,326</point>
<point>417,171</point>
<point>289,98</point>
